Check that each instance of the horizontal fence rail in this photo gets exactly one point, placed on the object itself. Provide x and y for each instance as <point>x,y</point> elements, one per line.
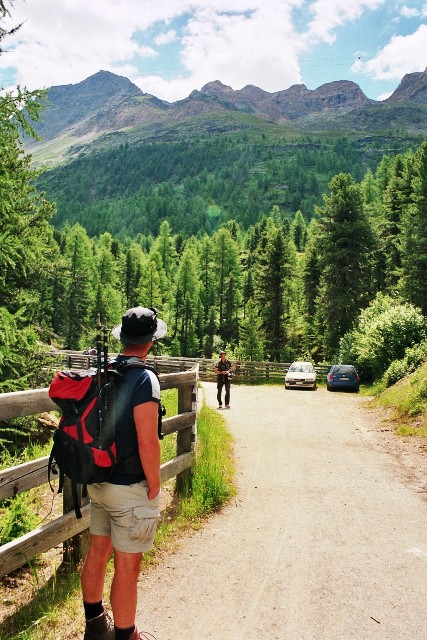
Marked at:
<point>33,474</point>
<point>245,370</point>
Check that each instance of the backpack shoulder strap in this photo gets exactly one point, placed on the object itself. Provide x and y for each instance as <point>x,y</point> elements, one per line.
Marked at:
<point>136,363</point>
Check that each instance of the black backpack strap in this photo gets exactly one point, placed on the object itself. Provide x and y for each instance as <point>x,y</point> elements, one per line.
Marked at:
<point>52,469</point>
<point>124,366</point>
<point>76,500</point>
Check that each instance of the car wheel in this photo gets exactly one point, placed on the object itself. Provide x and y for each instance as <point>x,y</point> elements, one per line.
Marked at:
<point>314,387</point>
<point>286,386</point>
<point>328,388</point>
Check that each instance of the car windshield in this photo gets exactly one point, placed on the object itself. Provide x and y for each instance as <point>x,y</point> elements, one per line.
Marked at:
<point>301,368</point>
<point>344,368</point>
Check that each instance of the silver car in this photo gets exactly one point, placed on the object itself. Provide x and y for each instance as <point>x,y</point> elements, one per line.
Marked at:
<point>301,374</point>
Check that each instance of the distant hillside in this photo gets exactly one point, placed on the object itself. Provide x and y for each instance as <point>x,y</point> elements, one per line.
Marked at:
<point>105,103</point>
<point>123,161</point>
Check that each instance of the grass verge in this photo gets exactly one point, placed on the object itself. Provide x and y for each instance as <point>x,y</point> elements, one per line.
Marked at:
<point>54,610</point>
<point>407,402</point>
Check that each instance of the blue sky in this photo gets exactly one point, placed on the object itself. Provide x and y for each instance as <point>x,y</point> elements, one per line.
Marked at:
<point>171,47</point>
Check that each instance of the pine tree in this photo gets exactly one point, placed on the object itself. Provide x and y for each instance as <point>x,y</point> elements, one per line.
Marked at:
<point>165,245</point>
<point>186,303</point>
<point>150,290</point>
<point>271,288</point>
<point>207,276</point>
<point>227,270</point>
<point>108,301</point>
<point>299,231</point>
<point>414,234</point>
<point>345,243</point>
<point>251,342</point>
<point>78,310</point>
<point>208,341</point>
<point>27,247</point>
<point>132,275</point>
<point>396,198</point>
<point>310,274</point>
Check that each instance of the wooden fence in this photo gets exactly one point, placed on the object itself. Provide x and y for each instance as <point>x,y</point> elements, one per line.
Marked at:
<point>33,474</point>
<point>245,370</point>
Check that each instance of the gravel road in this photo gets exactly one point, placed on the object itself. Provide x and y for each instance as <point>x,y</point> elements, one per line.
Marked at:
<point>325,540</point>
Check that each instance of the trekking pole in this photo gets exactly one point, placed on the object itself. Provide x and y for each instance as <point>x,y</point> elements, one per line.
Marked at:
<point>98,351</point>
<point>105,378</point>
<point>105,345</point>
<point>99,371</point>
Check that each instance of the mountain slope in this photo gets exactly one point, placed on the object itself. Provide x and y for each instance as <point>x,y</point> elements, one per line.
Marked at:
<point>105,103</point>
<point>413,88</point>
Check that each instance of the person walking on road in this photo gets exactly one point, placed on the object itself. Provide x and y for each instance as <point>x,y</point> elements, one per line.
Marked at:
<point>124,511</point>
<point>223,370</point>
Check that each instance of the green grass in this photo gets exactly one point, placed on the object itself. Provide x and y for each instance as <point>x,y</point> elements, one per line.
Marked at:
<point>407,401</point>
<point>55,611</point>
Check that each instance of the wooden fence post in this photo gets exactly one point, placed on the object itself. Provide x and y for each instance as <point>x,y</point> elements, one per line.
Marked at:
<point>74,549</point>
<point>187,401</point>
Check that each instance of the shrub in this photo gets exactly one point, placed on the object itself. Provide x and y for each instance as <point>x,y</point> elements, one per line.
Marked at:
<point>414,356</point>
<point>385,330</point>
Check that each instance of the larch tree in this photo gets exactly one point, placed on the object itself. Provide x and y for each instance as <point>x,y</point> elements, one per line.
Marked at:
<point>132,275</point>
<point>251,335</point>
<point>396,198</point>
<point>80,293</point>
<point>108,300</point>
<point>185,313</point>
<point>227,271</point>
<point>150,281</point>
<point>414,234</point>
<point>345,244</point>
<point>271,287</point>
<point>207,276</point>
<point>299,231</point>
<point>26,240</point>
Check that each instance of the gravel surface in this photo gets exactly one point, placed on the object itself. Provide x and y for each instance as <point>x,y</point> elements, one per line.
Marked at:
<point>325,540</point>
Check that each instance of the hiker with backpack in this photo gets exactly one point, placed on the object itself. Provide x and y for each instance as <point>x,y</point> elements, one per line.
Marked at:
<point>124,510</point>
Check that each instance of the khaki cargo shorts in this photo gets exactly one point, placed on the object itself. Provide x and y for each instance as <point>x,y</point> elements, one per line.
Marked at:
<point>125,514</point>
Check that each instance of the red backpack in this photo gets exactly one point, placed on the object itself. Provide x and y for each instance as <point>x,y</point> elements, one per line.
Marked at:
<point>83,445</point>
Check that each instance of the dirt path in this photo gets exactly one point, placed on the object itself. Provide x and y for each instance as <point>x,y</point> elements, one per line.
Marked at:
<point>326,539</point>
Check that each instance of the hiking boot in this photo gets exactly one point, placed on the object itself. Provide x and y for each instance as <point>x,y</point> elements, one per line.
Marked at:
<point>141,635</point>
<point>227,406</point>
<point>220,406</point>
<point>100,628</point>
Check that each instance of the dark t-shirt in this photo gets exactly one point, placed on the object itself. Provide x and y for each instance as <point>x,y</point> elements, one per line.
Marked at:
<point>223,366</point>
<point>137,387</point>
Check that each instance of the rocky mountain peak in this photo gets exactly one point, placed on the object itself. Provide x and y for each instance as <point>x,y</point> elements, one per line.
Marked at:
<point>413,87</point>
<point>216,88</point>
<point>106,102</point>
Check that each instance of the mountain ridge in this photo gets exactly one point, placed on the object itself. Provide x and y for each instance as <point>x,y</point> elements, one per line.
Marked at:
<point>106,103</point>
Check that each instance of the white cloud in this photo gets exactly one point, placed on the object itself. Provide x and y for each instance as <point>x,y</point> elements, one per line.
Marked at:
<point>410,12</point>
<point>238,42</point>
<point>65,42</point>
<point>414,12</point>
<point>259,47</point>
<point>330,14</point>
<point>403,54</point>
<point>166,38</point>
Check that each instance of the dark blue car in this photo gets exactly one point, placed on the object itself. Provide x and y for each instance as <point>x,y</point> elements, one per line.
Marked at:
<point>342,376</point>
